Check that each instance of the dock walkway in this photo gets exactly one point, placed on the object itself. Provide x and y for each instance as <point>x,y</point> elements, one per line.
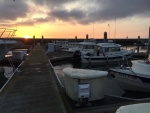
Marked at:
<point>32,89</point>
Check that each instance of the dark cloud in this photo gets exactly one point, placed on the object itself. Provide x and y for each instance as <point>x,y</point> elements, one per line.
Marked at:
<point>66,15</point>
<point>11,10</point>
<point>122,9</point>
<point>54,3</point>
<point>105,10</point>
<point>87,12</point>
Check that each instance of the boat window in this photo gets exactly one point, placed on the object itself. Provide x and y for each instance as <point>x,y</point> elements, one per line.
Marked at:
<point>80,46</point>
<point>88,47</point>
<point>84,47</point>
<point>106,49</point>
<point>114,49</point>
<point>91,47</point>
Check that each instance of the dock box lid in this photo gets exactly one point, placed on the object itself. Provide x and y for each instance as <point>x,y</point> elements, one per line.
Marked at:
<point>84,73</point>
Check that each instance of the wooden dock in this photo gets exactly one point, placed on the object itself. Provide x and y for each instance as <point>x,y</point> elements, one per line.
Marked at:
<point>33,88</point>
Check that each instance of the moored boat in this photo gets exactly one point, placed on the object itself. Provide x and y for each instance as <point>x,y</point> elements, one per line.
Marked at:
<point>135,78</point>
<point>105,52</point>
<point>87,45</point>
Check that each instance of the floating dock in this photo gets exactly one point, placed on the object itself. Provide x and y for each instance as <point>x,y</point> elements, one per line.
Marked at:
<point>32,89</point>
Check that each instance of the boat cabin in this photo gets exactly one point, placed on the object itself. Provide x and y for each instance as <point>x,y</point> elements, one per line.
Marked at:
<point>108,47</point>
<point>87,46</point>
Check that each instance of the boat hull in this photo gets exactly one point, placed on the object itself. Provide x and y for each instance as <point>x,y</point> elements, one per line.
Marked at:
<point>103,59</point>
<point>128,80</point>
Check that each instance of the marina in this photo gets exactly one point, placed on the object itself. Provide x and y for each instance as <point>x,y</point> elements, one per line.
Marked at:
<point>74,56</point>
<point>48,78</point>
<point>37,74</point>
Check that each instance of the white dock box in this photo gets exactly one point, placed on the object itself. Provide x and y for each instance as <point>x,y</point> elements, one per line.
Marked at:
<point>84,83</point>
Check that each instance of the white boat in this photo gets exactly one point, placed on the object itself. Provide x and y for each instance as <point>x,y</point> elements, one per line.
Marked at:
<point>134,108</point>
<point>104,53</point>
<point>5,46</point>
<point>6,43</point>
<point>135,78</point>
<point>86,46</point>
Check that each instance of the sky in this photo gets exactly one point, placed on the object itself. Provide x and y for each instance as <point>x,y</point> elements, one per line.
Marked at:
<point>70,18</point>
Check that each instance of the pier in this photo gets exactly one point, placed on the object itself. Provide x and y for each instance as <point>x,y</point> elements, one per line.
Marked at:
<point>32,89</point>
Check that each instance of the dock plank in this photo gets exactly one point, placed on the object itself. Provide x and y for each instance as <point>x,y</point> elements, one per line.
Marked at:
<point>33,88</point>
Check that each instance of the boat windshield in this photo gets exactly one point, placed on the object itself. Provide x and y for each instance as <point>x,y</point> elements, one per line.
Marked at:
<point>80,46</point>
<point>88,47</point>
<point>112,49</point>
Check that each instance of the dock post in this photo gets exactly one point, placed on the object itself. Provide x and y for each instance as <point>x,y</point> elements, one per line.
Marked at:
<point>42,41</point>
<point>138,44</point>
<point>75,38</point>
<point>127,42</point>
<point>33,41</point>
<point>105,36</point>
<point>87,36</point>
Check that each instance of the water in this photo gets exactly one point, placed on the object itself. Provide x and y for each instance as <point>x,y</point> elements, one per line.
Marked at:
<point>8,73</point>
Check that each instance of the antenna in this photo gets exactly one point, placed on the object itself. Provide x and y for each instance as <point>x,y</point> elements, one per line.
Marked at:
<point>109,30</point>
<point>93,29</point>
<point>148,44</point>
<point>115,30</point>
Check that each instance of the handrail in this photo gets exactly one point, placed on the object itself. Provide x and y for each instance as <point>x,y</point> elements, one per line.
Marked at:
<point>11,32</point>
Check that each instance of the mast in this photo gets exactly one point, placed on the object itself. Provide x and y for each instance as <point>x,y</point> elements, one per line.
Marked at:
<point>148,45</point>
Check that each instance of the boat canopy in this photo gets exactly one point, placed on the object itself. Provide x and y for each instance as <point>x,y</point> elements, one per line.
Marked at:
<point>109,45</point>
<point>87,43</point>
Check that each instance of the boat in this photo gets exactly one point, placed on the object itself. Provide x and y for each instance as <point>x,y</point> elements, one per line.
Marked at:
<point>6,42</point>
<point>5,46</point>
<point>105,52</point>
<point>135,77</point>
<point>87,45</point>
<point>134,108</point>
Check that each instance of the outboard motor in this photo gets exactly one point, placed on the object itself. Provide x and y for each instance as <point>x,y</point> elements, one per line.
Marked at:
<point>77,55</point>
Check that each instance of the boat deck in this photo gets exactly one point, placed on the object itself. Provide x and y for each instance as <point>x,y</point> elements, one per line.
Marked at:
<point>33,88</point>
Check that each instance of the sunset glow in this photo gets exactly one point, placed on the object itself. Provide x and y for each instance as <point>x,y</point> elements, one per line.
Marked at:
<point>26,37</point>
